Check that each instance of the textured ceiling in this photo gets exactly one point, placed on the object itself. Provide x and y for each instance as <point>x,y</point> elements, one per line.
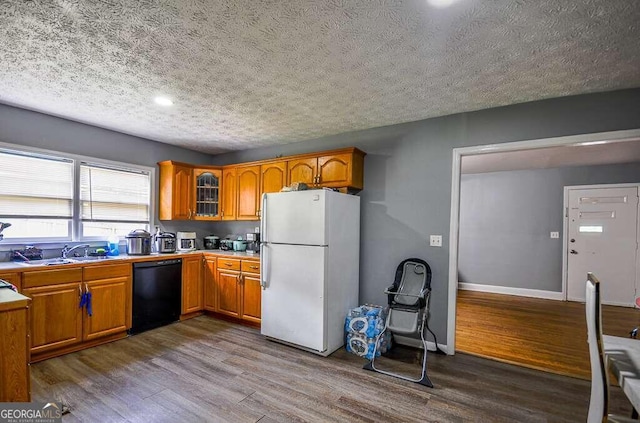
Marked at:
<point>254,73</point>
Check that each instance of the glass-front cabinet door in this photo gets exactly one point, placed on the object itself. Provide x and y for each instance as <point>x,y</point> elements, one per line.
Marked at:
<point>207,195</point>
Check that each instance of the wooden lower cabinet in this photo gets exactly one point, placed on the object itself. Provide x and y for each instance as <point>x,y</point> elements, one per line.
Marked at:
<point>251,297</point>
<point>56,318</point>
<point>58,322</point>
<point>110,288</point>
<point>209,281</point>
<point>228,292</point>
<point>238,291</point>
<point>192,290</point>
<point>15,385</point>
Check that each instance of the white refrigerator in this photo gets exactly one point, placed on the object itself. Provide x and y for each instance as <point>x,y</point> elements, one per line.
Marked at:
<point>310,266</point>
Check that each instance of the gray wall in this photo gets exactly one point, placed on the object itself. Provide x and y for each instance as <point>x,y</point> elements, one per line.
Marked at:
<point>506,217</point>
<point>407,193</point>
<point>407,169</point>
<point>28,128</point>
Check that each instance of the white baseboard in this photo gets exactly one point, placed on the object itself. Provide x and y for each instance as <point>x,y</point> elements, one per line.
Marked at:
<point>522,292</point>
<point>416,343</point>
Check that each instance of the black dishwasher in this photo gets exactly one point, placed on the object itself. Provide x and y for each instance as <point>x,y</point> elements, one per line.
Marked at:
<point>157,293</point>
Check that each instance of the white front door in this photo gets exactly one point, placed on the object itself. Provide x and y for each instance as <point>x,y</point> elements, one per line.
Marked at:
<point>602,238</point>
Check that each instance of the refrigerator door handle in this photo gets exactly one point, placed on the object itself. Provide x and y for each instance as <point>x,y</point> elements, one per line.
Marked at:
<point>263,218</point>
<point>264,266</point>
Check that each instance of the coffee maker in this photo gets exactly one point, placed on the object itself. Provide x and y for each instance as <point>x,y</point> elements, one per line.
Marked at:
<point>253,243</point>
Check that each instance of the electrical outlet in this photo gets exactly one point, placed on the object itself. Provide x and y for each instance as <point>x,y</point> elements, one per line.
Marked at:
<point>554,235</point>
<point>435,240</point>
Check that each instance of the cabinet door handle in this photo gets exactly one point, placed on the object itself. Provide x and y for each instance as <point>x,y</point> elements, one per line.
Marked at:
<point>86,287</point>
<point>222,213</point>
<point>80,290</point>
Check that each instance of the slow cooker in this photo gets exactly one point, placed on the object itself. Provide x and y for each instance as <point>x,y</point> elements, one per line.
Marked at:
<point>165,242</point>
<point>138,242</point>
<point>211,242</point>
<point>226,244</point>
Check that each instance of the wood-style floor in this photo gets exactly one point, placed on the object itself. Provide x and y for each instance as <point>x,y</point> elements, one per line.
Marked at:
<point>208,370</point>
<point>540,334</point>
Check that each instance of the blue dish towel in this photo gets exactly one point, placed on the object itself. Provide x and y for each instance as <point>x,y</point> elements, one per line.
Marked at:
<point>89,304</point>
<point>85,301</point>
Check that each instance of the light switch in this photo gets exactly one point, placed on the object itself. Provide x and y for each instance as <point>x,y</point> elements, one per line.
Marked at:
<point>555,234</point>
<point>435,240</point>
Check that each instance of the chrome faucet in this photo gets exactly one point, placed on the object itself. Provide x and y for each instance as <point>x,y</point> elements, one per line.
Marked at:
<point>66,250</point>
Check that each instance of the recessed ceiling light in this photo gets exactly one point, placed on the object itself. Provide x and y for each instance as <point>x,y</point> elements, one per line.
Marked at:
<point>593,142</point>
<point>441,3</point>
<point>163,101</point>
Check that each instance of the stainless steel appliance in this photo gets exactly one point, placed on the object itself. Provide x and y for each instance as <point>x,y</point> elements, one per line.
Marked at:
<point>157,287</point>
<point>226,244</point>
<point>316,234</point>
<point>211,242</point>
<point>165,242</point>
<point>138,242</point>
<point>253,243</point>
<point>186,241</point>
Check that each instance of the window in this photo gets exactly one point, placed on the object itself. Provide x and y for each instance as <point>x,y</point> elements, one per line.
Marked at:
<point>48,198</point>
<point>36,195</point>
<point>113,201</point>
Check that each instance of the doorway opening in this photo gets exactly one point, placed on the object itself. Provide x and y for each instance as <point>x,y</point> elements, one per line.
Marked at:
<point>582,150</point>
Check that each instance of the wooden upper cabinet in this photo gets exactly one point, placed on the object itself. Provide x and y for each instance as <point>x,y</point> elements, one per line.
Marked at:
<point>234,192</point>
<point>192,292</point>
<point>176,184</point>
<point>248,192</point>
<point>273,177</point>
<point>334,171</point>
<point>229,189</point>
<point>344,169</point>
<point>303,170</point>
<point>207,186</point>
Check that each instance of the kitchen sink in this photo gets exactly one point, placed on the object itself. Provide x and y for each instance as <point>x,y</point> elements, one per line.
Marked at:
<point>47,262</point>
<point>59,260</point>
<point>88,258</point>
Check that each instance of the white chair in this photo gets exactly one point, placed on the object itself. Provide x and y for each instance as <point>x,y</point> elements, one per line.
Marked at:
<point>599,402</point>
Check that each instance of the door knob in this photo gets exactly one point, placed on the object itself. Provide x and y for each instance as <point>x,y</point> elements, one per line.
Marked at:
<point>573,252</point>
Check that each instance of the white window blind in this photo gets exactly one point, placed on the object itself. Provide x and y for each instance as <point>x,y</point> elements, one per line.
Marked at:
<point>114,195</point>
<point>35,187</point>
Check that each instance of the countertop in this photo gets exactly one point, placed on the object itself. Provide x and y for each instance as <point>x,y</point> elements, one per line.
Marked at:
<point>21,267</point>
<point>10,300</point>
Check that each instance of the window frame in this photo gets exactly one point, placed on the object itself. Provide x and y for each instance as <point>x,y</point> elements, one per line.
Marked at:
<point>76,218</point>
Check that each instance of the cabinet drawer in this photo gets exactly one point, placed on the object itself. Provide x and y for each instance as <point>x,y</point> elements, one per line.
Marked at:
<point>229,264</point>
<point>106,271</point>
<point>250,266</point>
<point>51,277</point>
